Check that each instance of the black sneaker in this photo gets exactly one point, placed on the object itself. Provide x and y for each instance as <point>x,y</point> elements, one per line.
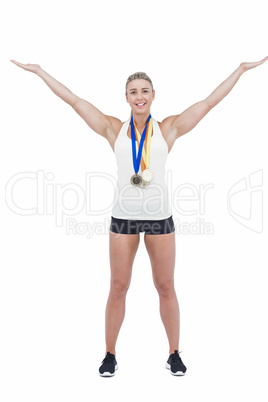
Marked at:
<point>175,364</point>
<point>109,365</point>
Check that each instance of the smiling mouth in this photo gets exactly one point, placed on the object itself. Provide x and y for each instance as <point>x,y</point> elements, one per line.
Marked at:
<point>140,104</point>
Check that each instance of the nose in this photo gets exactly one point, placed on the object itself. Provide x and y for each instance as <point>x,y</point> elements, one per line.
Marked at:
<point>139,96</point>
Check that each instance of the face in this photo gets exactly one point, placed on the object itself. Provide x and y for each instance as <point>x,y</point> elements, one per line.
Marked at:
<point>140,96</point>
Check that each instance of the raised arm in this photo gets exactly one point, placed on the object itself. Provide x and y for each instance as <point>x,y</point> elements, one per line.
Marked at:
<point>96,120</point>
<point>187,120</point>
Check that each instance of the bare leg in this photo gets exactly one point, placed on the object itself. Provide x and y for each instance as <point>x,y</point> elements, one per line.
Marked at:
<point>161,250</point>
<point>123,249</point>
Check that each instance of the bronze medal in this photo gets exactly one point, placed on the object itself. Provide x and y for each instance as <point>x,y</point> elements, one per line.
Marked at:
<point>135,180</point>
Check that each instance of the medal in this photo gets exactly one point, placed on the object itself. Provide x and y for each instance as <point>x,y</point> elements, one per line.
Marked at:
<point>144,183</point>
<point>147,175</point>
<point>136,179</point>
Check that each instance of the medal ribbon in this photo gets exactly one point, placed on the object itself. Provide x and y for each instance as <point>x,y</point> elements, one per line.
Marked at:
<point>146,151</point>
<point>137,159</point>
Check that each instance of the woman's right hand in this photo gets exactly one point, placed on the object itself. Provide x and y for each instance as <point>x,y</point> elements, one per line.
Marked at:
<point>34,68</point>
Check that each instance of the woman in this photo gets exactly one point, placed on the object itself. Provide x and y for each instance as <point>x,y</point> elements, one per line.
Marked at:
<point>141,146</point>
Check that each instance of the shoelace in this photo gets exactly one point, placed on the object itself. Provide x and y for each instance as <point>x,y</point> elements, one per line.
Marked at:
<point>175,357</point>
<point>108,359</point>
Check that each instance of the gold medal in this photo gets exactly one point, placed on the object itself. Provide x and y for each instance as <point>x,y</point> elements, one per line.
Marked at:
<point>144,183</point>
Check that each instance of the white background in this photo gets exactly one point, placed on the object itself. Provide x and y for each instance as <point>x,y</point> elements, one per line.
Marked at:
<point>54,286</point>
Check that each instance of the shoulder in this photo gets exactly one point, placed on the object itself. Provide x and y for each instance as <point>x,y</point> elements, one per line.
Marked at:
<point>166,124</point>
<point>168,131</point>
<point>115,124</point>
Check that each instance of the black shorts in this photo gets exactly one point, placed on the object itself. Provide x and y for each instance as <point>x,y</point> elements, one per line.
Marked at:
<point>155,227</point>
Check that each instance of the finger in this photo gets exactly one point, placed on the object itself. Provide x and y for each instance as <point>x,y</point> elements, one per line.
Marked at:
<point>17,63</point>
<point>258,63</point>
<point>24,66</point>
<point>263,60</point>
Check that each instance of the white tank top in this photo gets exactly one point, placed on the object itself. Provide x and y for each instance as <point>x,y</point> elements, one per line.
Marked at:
<point>133,202</point>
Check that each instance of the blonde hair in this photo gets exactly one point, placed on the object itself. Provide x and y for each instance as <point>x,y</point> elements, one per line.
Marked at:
<point>139,76</point>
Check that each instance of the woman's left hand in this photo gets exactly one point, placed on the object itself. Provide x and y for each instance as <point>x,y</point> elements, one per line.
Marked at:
<point>247,66</point>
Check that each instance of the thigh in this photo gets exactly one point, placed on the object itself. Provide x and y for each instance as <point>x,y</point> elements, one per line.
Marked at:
<point>162,252</point>
<point>122,250</point>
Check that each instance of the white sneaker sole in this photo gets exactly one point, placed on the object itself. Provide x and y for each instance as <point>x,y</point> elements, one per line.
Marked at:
<point>180,373</point>
<point>108,374</point>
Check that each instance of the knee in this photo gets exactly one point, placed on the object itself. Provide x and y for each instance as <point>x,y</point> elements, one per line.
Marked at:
<point>118,289</point>
<point>165,288</point>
